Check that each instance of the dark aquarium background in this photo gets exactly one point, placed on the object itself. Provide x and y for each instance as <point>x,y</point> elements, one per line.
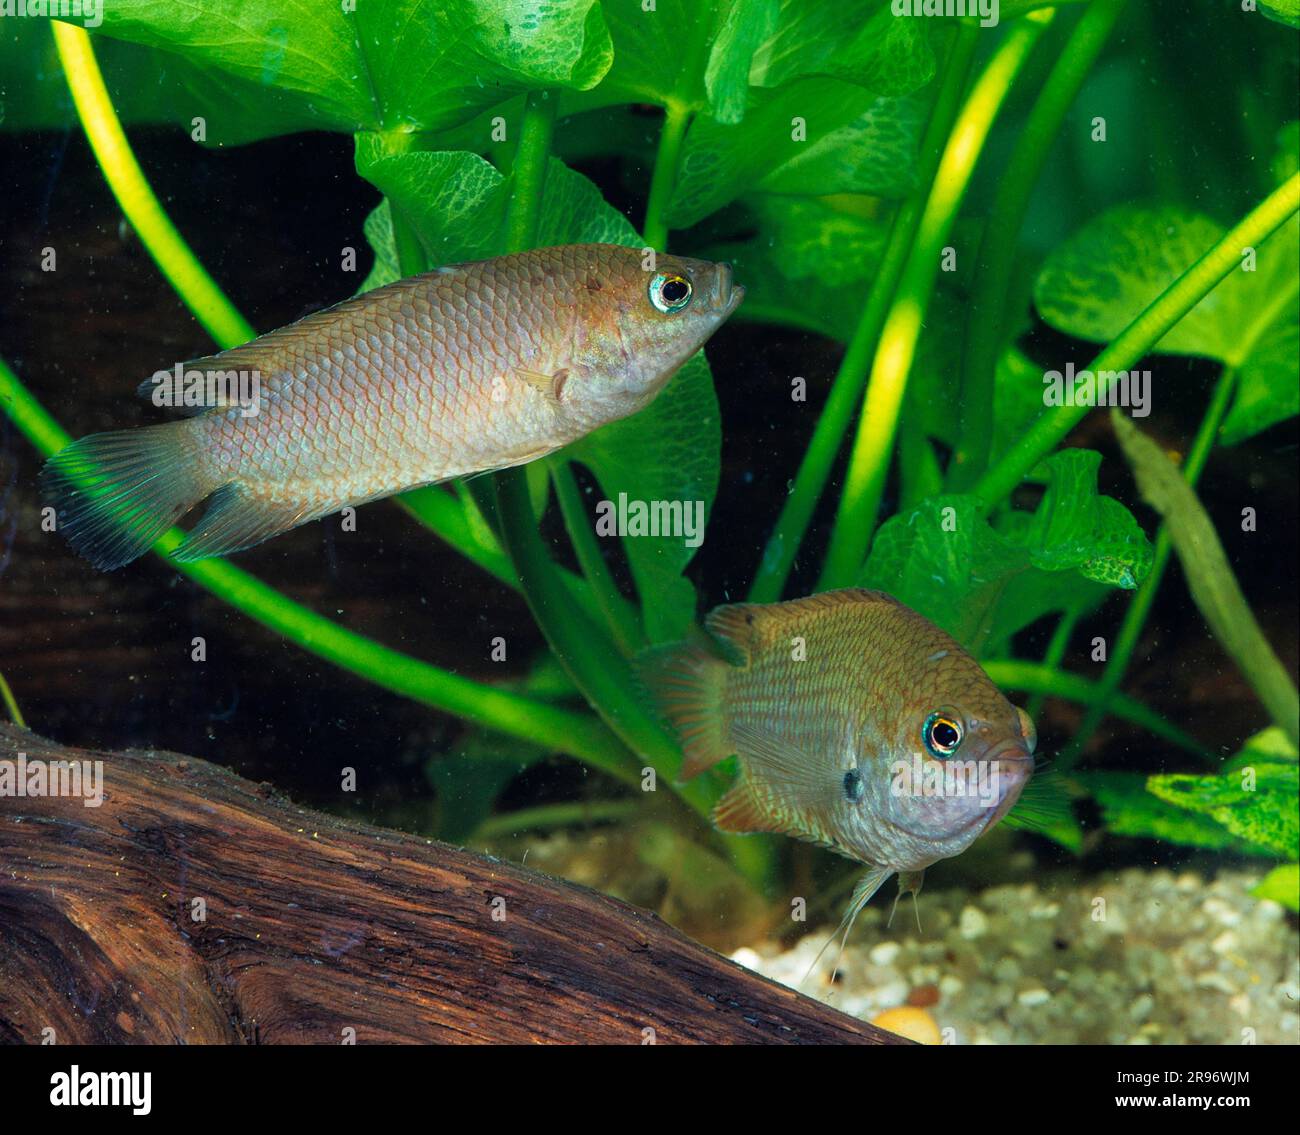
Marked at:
<point>929,215</point>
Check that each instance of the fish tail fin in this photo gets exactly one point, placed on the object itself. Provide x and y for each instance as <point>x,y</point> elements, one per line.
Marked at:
<point>686,683</point>
<point>114,494</point>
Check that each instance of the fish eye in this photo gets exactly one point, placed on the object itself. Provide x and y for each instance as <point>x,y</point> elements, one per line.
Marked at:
<point>942,734</point>
<point>670,292</point>
<point>853,785</point>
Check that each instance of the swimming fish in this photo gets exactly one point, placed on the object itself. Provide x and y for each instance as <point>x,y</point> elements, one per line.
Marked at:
<point>857,725</point>
<point>469,368</point>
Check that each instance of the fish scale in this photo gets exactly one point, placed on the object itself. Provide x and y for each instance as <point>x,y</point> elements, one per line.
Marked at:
<point>466,369</point>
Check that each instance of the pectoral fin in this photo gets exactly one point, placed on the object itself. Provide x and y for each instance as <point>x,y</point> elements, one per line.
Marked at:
<point>741,810</point>
<point>549,385</point>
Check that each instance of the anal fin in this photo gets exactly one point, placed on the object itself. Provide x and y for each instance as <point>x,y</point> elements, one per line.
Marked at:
<point>237,519</point>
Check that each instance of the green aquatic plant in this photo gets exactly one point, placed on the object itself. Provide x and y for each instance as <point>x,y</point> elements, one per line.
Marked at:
<point>829,151</point>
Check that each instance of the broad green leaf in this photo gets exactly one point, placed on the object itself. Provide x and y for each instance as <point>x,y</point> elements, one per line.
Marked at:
<point>1270,746</point>
<point>379,233</point>
<point>1101,279</point>
<point>816,136</point>
<point>707,57</point>
<point>860,41</point>
<point>983,584</point>
<point>1128,809</point>
<point>943,560</point>
<point>1283,12</point>
<point>148,87</point>
<point>1075,527</point>
<point>1282,885</point>
<point>1268,386</point>
<point>670,451</point>
<point>746,25</point>
<point>1257,804</point>
<point>454,201</point>
<point>380,64</point>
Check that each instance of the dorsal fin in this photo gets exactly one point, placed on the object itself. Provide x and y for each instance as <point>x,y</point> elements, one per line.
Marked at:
<point>741,629</point>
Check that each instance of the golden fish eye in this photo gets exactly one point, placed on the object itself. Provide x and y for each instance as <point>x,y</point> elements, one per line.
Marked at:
<point>942,734</point>
<point>670,293</point>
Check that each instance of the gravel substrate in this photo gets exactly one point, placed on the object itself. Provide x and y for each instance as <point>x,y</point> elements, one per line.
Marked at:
<point>1166,959</point>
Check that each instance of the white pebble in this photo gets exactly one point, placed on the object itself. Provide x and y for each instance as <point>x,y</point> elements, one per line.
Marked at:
<point>885,953</point>
<point>973,923</point>
<point>950,986</point>
<point>891,995</point>
<point>1030,997</point>
<point>1225,943</point>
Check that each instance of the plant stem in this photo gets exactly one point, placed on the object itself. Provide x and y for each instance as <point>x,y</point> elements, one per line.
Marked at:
<point>528,172</point>
<point>580,645</point>
<point>1139,337</point>
<point>864,481</point>
<point>678,112</point>
<point>677,117</point>
<point>10,703</point>
<point>997,251</point>
<point>617,613</point>
<point>920,475</point>
<point>548,816</point>
<point>510,713</point>
<point>1034,677</point>
<point>1135,617</point>
<point>122,172</point>
<point>444,514</point>
<point>1055,652</point>
<point>796,513</point>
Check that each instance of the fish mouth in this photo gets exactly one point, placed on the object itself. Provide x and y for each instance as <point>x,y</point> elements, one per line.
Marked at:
<point>1015,761</point>
<point>727,294</point>
<point>1015,765</point>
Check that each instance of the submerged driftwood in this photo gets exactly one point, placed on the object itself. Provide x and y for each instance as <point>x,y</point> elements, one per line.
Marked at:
<point>195,906</point>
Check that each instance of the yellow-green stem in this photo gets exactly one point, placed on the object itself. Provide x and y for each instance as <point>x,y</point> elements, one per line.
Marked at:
<point>122,172</point>
<point>864,481</point>
<point>1139,337</point>
<point>832,423</point>
<point>617,612</point>
<point>10,703</point>
<point>997,248</point>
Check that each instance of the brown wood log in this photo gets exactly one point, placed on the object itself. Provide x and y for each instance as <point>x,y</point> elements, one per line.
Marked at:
<point>315,925</point>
